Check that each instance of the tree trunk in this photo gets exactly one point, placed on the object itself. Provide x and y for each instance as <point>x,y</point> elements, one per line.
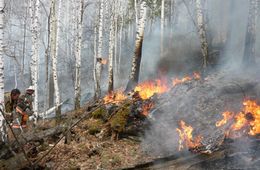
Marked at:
<point>99,53</point>
<point>120,42</point>
<point>78,54</point>
<point>110,55</point>
<point>249,52</point>
<point>54,51</point>
<point>162,28</point>
<point>136,62</point>
<point>202,34</point>
<point>3,134</point>
<point>35,54</point>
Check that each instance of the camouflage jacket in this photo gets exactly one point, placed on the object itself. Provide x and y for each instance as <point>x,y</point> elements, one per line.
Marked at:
<point>25,103</point>
<point>9,103</point>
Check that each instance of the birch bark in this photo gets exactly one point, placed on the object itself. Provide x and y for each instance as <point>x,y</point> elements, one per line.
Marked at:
<point>202,33</point>
<point>136,62</point>
<point>78,54</point>
<point>3,134</point>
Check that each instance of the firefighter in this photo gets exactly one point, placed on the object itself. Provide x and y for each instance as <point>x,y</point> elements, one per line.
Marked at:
<point>11,99</point>
<point>24,109</point>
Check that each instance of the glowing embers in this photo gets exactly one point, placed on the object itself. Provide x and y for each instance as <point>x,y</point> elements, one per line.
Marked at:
<point>196,76</point>
<point>146,108</point>
<point>148,88</point>
<point>186,137</point>
<point>246,121</point>
<point>115,97</point>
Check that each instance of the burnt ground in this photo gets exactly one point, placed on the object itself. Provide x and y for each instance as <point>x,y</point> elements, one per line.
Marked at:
<point>197,102</point>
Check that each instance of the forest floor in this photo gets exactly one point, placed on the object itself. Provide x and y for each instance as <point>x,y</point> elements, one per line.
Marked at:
<point>86,151</point>
<point>93,142</point>
<point>90,152</point>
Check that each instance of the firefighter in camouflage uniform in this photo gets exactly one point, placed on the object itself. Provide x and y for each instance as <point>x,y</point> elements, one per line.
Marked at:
<point>11,100</point>
<point>24,109</point>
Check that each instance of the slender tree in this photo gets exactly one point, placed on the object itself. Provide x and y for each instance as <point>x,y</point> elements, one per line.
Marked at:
<point>35,51</point>
<point>202,33</point>
<point>97,62</point>
<point>249,52</point>
<point>78,53</point>
<point>3,134</point>
<point>111,50</point>
<point>55,29</point>
<point>136,62</point>
<point>162,28</point>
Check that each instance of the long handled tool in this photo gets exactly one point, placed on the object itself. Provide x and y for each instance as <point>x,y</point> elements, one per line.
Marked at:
<point>25,155</point>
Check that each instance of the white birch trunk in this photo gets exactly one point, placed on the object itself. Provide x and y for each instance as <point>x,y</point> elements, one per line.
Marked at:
<point>3,134</point>
<point>202,33</point>
<point>120,42</point>
<point>136,62</point>
<point>35,55</point>
<point>162,28</point>
<point>78,54</point>
<point>55,29</point>
<point>111,56</point>
<point>99,53</point>
<point>95,58</point>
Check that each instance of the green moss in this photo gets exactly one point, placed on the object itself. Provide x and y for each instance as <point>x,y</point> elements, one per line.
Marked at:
<point>119,120</point>
<point>100,113</point>
<point>94,126</point>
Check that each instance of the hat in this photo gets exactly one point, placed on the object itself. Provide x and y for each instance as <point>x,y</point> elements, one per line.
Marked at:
<point>30,88</point>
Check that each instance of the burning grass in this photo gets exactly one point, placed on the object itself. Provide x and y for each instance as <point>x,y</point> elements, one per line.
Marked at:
<point>248,120</point>
<point>186,137</point>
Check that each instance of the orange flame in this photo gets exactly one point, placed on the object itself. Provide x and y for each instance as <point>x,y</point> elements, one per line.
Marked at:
<point>146,108</point>
<point>196,76</point>
<point>186,137</point>
<point>177,81</point>
<point>148,88</point>
<point>248,118</point>
<point>226,117</point>
<point>115,97</point>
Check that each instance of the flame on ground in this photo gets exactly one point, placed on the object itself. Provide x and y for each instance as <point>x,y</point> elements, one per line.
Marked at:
<point>186,138</point>
<point>177,81</point>
<point>148,88</point>
<point>147,107</point>
<point>226,117</point>
<point>248,118</point>
<point>115,97</point>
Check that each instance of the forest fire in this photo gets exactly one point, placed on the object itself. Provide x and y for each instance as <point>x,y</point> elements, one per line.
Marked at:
<point>226,117</point>
<point>146,108</point>
<point>248,120</point>
<point>148,88</point>
<point>115,97</point>
<point>177,81</point>
<point>186,138</point>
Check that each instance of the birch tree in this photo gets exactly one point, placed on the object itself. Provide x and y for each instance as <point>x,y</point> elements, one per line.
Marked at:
<point>249,52</point>
<point>55,29</point>
<point>35,50</point>
<point>111,50</point>
<point>3,134</point>
<point>78,43</point>
<point>162,27</point>
<point>97,60</point>
<point>136,62</point>
<point>202,33</point>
